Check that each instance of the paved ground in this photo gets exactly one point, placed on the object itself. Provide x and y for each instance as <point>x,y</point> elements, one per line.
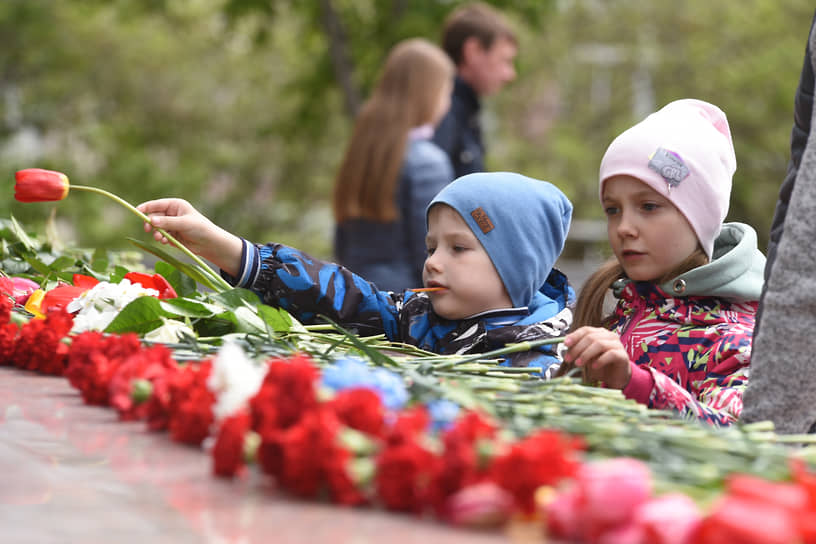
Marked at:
<point>73,473</point>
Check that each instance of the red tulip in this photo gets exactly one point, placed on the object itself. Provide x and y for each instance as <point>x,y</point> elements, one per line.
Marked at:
<point>38,185</point>
<point>81,280</point>
<point>60,296</point>
<point>747,521</point>
<point>156,281</point>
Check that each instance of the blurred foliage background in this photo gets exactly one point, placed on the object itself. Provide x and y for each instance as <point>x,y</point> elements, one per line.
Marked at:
<point>244,106</point>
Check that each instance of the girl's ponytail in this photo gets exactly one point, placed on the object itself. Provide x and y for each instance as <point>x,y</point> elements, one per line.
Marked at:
<point>589,308</point>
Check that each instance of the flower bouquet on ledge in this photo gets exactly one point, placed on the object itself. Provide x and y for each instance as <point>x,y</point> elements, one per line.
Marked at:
<point>328,415</point>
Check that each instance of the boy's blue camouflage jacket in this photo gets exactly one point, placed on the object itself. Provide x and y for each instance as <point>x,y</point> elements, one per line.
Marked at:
<point>308,288</point>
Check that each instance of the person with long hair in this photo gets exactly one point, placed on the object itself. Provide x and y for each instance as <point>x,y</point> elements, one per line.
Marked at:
<point>687,284</point>
<point>392,170</point>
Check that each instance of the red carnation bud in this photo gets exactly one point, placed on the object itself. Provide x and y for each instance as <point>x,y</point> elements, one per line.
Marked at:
<point>38,185</point>
<point>140,390</point>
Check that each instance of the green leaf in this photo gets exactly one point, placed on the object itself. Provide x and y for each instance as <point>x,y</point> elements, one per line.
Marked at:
<point>99,261</point>
<point>140,316</point>
<point>248,320</point>
<point>377,357</point>
<point>37,264</point>
<point>204,277</point>
<point>236,298</point>
<point>185,307</point>
<point>21,235</point>
<point>277,319</point>
<point>215,326</point>
<point>62,262</point>
<point>183,284</point>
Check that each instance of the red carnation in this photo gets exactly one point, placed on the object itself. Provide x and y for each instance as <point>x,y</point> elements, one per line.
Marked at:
<point>459,465</point>
<point>306,447</point>
<point>147,365</point>
<point>361,409</point>
<point>39,345</point>
<point>92,360</point>
<point>8,330</point>
<point>410,423</point>
<point>158,405</point>
<point>314,460</point>
<point>8,339</point>
<point>228,451</point>
<point>6,299</point>
<point>287,392</point>
<point>403,470</point>
<point>543,458</point>
<point>190,410</point>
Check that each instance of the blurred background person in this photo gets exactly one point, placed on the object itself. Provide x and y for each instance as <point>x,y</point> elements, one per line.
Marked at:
<point>483,46</point>
<point>392,170</point>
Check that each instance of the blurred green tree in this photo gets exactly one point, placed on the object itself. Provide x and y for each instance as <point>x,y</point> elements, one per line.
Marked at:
<point>244,106</point>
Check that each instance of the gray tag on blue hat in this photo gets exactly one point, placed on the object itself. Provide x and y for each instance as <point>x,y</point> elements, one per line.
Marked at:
<point>670,166</point>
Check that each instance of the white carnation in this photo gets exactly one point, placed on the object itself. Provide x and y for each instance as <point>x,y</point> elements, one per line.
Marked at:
<point>98,306</point>
<point>171,331</point>
<point>235,378</point>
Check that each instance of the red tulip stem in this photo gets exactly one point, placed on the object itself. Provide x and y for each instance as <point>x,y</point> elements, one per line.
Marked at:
<point>221,281</point>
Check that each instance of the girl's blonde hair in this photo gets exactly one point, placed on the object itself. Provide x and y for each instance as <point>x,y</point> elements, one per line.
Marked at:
<point>589,308</point>
<point>407,95</point>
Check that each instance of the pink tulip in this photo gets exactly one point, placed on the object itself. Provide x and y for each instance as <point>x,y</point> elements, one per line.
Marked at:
<point>612,490</point>
<point>480,505</point>
<point>23,287</point>
<point>669,519</point>
<point>564,516</point>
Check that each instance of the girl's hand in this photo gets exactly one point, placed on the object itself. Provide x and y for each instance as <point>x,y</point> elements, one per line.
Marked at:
<point>601,354</point>
<point>200,235</point>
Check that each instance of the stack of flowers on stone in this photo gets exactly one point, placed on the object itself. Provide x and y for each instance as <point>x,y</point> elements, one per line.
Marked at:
<point>348,432</point>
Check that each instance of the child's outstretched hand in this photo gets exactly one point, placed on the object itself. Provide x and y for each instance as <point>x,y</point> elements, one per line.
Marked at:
<point>200,235</point>
<point>600,352</point>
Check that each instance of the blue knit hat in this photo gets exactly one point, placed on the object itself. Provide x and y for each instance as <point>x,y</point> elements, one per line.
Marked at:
<point>521,222</point>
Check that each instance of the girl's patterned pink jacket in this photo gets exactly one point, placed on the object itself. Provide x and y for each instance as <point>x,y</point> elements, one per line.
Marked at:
<point>689,354</point>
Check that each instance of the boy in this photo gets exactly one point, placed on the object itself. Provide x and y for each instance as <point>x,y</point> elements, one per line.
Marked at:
<point>492,241</point>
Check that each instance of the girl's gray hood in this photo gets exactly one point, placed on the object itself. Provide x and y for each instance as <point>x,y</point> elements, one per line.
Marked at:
<point>735,273</point>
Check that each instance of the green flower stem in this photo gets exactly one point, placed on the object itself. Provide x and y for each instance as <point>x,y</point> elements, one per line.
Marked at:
<point>509,348</point>
<point>206,269</point>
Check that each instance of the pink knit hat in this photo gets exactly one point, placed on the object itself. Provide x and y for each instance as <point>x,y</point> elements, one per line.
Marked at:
<point>684,152</point>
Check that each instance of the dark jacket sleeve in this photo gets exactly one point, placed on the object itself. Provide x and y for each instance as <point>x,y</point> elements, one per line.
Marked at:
<point>307,288</point>
<point>803,107</point>
<point>802,112</point>
<point>782,387</point>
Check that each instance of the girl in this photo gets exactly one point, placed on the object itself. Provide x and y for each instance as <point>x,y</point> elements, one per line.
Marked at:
<point>392,170</point>
<point>687,285</point>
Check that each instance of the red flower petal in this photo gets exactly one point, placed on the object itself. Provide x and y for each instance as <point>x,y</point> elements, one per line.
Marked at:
<point>38,185</point>
<point>156,281</point>
<point>81,280</point>
<point>60,296</point>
